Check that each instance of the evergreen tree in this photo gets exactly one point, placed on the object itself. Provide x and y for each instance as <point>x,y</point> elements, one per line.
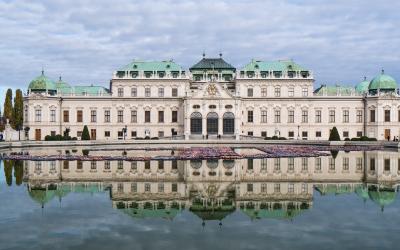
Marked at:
<point>334,135</point>
<point>1,122</point>
<point>85,134</point>
<point>17,119</point>
<point>8,167</point>
<point>18,172</point>
<point>8,108</point>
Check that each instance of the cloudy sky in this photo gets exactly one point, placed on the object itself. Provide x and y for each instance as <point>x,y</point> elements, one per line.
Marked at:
<point>84,41</point>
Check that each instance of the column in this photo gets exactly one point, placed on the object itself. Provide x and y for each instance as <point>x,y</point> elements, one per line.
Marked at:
<point>220,125</point>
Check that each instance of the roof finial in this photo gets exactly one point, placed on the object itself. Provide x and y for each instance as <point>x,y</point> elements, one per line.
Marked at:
<point>220,54</point>
<point>383,71</point>
<point>42,71</point>
<point>60,78</point>
<point>204,54</point>
<point>365,78</point>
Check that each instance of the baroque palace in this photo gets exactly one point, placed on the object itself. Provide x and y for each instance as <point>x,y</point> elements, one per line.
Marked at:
<point>213,99</point>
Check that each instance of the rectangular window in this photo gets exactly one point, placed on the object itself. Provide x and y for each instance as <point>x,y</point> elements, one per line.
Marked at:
<point>318,162</point>
<point>107,165</point>
<point>331,164</point>
<point>305,91</point>
<point>134,187</point>
<point>174,116</point>
<point>345,116</point>
<point>107,116</point>
<point>250,164</point>
<point>304,116</point>
<point>304,163</point>
<point>66,115</point>
<point>264,163</point>
<point>345,163</point>
<point>277,91</point>
<point>160,92</point>
<point>359,115</point>
<point>372,164</point>
<point>291,164</point>
<point>38,115</point>
<point>174,92</point>
<point>147,165</point>
<point>291,92</point>
<point>277,188</point>
<point>291,188</point>
<point>52,115</point>
<point>250,133</point>
<point>250,116</point>
<point>346,134</point>
<point>79,116</point>
<point>160,164</point>
<point>277,164</point>
<point>78,133</point>
<point>387,115</point>
<point>133,165</point>
<point>120,116</point>
<point>277,116</point>
<point>331,116</point>
<point>291,134</point>
<point>93,165</point>
<point>359,133</point>
<point>249,92</point>
<point>133,116</point>
<point>359,163</point>
<point>290,116</point>
<point>264,92</point>
<point>161,187</point>
<point>372,115</point>
<point>386,165</point>
<point>174,187</point>
<point>263,133</point>
<point>120,92</point>
<point>263,116</point>
<point>93,116</point>
<point>147,187</point>
<point>147,116</point>
<point>318,116</point>
<point>398,115</point>
<point>318,134</point>
<point>304,134</point>
<point>160,134</point>
<point>133,134</point>
<point>249,187</point>
<point>160,116</point>
<point>264,187</point>
<point>147,92</point>
<point>107,133</point>
<point>133,92</point>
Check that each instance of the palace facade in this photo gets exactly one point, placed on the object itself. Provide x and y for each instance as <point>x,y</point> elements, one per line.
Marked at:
<point>212,99</point>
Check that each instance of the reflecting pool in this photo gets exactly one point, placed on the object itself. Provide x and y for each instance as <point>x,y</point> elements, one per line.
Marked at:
<point>344,200</point>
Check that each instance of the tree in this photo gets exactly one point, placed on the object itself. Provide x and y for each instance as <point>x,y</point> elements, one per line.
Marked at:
<point>85,134</point>
<point>334,135</point>
<point>8,167</point>
<point>8,108</point>
<point>1,122</point>
<point>18,172</point>
<point>17,117</point>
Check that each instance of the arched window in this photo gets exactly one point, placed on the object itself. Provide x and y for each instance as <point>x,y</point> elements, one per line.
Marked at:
<point>212,164</point>
<point>196,124</point>
<point>228,163</point>
<point>196,164</point>
<point>228,123</point>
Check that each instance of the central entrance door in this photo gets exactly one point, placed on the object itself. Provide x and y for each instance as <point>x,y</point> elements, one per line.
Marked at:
<point>212,123</point>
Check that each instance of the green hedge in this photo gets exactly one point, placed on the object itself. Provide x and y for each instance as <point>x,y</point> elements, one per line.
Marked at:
<point>59,138</point>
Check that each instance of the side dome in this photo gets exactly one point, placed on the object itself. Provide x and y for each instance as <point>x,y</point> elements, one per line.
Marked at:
<point>362,87</point>
<point>41,83</point>
<point>383,82</point>
<point>61,84</point>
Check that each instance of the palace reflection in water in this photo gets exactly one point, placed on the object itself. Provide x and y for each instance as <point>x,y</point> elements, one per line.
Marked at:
<point>212,189</point>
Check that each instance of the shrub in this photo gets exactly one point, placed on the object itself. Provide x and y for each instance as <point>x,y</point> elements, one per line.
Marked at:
<point>282,138</point>
<point>85,134</point>
<point>267,138</point>
<point>274,137</point>
<point>85,152</point>
<point>334,135</point>
<point>347,139</point>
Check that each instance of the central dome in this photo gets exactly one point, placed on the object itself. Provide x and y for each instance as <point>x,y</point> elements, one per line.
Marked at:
<point>383,82</point>
<point>42,83</point>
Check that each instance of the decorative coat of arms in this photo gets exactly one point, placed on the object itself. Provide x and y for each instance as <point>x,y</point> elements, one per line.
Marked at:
<point>212,89</point>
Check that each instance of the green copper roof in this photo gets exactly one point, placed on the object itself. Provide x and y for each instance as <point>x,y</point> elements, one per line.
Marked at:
<point>152,213</point>
<point>281,65</point>
<point>362,87</point>
<point>41,83</point>
<point>82,90</point>
<point>151,66</point>
<point>61,84</point>
<point>384,82</point>
<point>333,189</point>
<point>272,214</point>
<point>362,192</point>
<point>212,63</point>
<point>334,90</point>
<point>382,197</point>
